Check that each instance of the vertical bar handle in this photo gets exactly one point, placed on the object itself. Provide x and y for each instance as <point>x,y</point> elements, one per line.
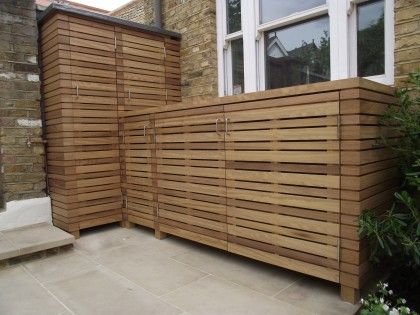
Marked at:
<point>338,249</point>
<point>227,120</point>
<point>144,131</point>
<point>217,125</point>
<point>129,94</point>
<point>338,127</point>
<point>77,90</point>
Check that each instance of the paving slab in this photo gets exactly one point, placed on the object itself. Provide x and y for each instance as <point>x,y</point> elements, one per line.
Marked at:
<point>7,249</point>
<point>318,296</point>
<point>59,267</point>
<point>37,237</point>
<point>154,272</point>
<point>21,294</point>
<point>101,292</point>
<point>253,274</point>
<point>138,274</point>
<point>212,295</point>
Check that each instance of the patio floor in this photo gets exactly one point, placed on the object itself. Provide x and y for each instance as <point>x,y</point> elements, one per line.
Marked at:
<point>112,270</point>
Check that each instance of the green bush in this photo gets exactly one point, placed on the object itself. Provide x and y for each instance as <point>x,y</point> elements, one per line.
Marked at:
<point>394,236</point>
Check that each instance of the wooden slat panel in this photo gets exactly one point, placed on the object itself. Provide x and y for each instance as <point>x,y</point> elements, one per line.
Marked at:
<point>269,151</point>
<point>190,195</point>
<point>140,165</point>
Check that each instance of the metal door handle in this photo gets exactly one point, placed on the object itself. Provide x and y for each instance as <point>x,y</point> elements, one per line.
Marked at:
<point>129,94</point>
<point>77,90</point>
<point>338,127</point>
<point>217,125</point>
<point>144,130</point>
<point>227,120</point>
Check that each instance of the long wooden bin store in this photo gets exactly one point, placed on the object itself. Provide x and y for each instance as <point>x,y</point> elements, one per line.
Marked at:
<point>93,68</point>
<point>279,176</point>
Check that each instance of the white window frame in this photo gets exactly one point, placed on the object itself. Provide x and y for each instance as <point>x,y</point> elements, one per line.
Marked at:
<point>224,49</point>
<point>388,76</point>
<point>284,21</point>
<point>343,41</point>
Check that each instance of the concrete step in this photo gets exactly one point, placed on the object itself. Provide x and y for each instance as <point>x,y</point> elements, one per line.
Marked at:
<point>31,239</point>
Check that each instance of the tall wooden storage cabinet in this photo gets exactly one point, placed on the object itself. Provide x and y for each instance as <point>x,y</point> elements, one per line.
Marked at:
<point>95,68</point>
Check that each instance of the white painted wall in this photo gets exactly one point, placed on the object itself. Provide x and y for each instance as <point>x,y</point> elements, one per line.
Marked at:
<point>25,212</point>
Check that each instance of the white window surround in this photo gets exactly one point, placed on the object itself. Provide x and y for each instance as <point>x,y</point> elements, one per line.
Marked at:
<point>343,41</point>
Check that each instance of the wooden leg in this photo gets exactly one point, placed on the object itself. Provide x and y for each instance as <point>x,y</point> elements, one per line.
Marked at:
<point>76,234</point>
<point>349,294</point>
<point>126,224</point>
<point>160,235</point>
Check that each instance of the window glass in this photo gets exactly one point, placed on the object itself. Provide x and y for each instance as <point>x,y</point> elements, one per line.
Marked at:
<point>275,9</point>
<point>370,39</point>
<point>237,66</point>
<point>298,54</point>
<point>233,16</point>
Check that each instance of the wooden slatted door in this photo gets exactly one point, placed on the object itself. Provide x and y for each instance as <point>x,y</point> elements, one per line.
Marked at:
<point>191,174</point>
<point>143,70</point>
<point>282,178</point>
<point>140,185</point>
<point>91,130</point>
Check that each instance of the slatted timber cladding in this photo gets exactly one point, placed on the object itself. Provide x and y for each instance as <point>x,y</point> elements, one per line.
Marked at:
<point>148,70</point>
<point>282,181</point>
<point>369,174</point>
<point>140,173</point>
<point>279,176</point>
<point>88,68</point>
<point>148,76</point>
<point>190,158</point>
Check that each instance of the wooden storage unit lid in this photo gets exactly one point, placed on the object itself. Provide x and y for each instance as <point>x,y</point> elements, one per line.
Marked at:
<point>56,8</point>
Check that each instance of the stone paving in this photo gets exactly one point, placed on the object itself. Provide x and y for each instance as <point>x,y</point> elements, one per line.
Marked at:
<point>112,270</point>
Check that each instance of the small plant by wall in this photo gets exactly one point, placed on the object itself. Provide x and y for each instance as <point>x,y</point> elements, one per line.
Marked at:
<point>384,301</point>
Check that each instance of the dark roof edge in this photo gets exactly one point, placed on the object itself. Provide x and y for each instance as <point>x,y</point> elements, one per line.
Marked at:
<point>55,7</point>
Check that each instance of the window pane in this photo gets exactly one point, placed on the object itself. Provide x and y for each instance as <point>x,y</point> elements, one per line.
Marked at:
<point>298,54</point>
<point>237,66</point>
<point>370,39</point>
<point>275,9</point>
<point>233,16</point>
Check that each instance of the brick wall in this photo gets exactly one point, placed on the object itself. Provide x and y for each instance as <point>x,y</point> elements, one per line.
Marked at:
<point>196,21</point>
<point>22,165</point>
<point>407,38</point>
<point>140,11</point>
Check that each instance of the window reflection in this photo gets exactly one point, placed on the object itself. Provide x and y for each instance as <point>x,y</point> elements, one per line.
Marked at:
<point>370,39</point>
<point>275,9</point>
<point>298,54</point>
<point>233,16</point>
<point>237,66</point>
